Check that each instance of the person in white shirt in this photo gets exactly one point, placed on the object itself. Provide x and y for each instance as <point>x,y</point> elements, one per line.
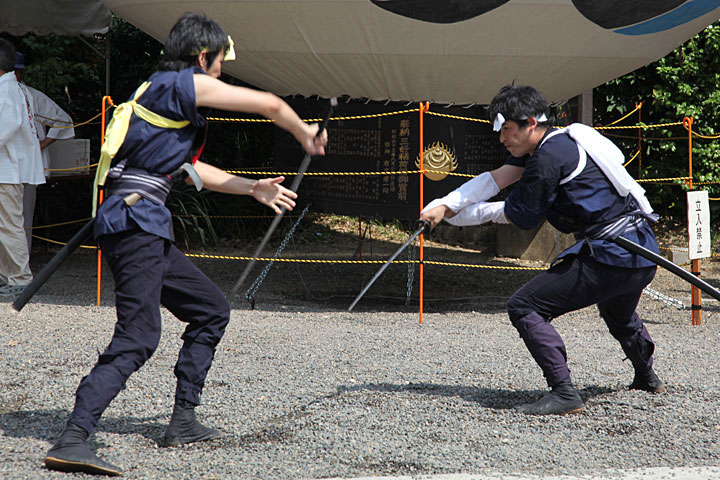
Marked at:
<point>47,115</point>
<point>20,164</point>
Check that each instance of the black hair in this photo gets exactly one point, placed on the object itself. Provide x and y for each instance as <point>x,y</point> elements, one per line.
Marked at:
<point>190,35</point>
<point>518,103</point>
<point>7,56</point>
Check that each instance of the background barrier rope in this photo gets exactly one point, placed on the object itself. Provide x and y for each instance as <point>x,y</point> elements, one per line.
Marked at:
<point>411,261</point>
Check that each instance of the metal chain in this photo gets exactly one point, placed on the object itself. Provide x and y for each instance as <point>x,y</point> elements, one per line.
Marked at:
<point>411,271</point>
<point>664,298</point>
<point>250,293</point>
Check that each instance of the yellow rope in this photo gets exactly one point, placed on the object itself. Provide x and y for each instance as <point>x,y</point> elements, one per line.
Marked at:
<point>354,262</point>
<point>311,120</point>
<point>59,224</point>
<point>62,121</point>
<point>637,107</point>
<point>234,216</point>
<point>633,158</point>
<point>62,243</point>
<point>69,169</point>
<point>658,125</point>
<point>447,264</point>
<point>330,174</point>
<point>706,137</point>
<point>650,180</point>
<point>458,117</point>
<point>249,172</point>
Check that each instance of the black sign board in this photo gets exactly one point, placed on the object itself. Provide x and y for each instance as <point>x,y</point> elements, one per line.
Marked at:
<point>382,147</point>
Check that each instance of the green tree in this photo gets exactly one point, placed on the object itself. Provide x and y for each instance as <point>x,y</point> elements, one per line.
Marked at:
<point>682,84</point>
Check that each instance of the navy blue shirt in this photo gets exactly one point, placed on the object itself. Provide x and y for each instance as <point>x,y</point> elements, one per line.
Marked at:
<point>587,199</point>
<point>156,150</point>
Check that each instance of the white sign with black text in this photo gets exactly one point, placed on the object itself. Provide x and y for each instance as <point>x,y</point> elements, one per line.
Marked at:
<point>698,224</point>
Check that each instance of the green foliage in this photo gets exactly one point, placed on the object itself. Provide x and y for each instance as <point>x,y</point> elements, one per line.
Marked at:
<point>682,84</point>
<point>191,220</point>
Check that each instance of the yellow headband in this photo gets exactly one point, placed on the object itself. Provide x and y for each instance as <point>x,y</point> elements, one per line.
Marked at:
<point>229,50</point>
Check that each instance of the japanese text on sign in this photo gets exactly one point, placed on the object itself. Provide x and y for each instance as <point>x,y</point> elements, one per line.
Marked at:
<point>698,224</point>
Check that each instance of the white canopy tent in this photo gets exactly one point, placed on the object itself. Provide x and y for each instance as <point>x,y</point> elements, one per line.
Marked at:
<point>450,51</point>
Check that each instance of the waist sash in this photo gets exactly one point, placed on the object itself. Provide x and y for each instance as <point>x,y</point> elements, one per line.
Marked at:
<point>127,180</point>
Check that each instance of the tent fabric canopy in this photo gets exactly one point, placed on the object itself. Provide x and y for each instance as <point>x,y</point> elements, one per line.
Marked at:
<point>61,17</point>
<point>455,51</point>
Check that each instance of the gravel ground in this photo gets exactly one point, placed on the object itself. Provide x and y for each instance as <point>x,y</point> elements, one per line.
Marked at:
<point>303,389</point>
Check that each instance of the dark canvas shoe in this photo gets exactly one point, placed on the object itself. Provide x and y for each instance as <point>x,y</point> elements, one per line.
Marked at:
<point>562,399</point>
<point>647,381</point>
<point>184,427</point>
<point>71,454</point>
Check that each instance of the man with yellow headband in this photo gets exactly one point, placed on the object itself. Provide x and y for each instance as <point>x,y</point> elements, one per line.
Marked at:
<point>149,139</point>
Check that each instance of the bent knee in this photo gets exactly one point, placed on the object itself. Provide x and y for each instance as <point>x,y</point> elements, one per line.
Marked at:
<point>518,307</point>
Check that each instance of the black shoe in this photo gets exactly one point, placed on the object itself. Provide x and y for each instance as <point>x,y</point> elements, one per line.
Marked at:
<point>647,381</point>
<point>184,427</point>
<point>562,399</point>
<point>71,454</point>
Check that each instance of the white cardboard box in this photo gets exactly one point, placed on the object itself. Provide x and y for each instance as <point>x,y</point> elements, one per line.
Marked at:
<point>68,156</point>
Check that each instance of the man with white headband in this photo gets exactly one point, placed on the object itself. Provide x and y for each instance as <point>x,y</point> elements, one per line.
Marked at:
<point>148,142</point>
<point>574,178</point>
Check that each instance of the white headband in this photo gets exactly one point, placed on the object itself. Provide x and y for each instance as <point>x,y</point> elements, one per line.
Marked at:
<point>500,120</point>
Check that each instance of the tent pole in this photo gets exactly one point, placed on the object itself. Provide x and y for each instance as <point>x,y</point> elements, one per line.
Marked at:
<point>107,59</point>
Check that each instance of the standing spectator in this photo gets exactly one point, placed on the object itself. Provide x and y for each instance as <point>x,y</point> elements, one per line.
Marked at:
<point>20,164</point>
<point>47,114</point>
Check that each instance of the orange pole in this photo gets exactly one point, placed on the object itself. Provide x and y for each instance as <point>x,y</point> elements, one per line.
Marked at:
<point>423,108</point>
<point>695,293</point>
<point>106,100</point>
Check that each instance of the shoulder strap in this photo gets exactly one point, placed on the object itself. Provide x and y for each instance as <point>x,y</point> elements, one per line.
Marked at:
<point>582,156</point>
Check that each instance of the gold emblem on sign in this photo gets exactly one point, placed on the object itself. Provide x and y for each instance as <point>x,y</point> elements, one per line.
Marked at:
<point>438,158</point>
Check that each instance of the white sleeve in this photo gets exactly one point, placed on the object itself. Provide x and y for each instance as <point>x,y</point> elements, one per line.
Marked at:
<point>476,190</point>
<point>478,213</point>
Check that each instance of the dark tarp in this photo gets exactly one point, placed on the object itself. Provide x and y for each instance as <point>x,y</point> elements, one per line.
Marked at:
<point>61,17</point>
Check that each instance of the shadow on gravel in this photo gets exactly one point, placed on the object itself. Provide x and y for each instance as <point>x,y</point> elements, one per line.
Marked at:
<point>496,399</point>
<point>47,425</point>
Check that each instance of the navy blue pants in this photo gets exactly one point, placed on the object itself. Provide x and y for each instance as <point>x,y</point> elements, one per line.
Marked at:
<point>578,281</point>
<point>148,272</point>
